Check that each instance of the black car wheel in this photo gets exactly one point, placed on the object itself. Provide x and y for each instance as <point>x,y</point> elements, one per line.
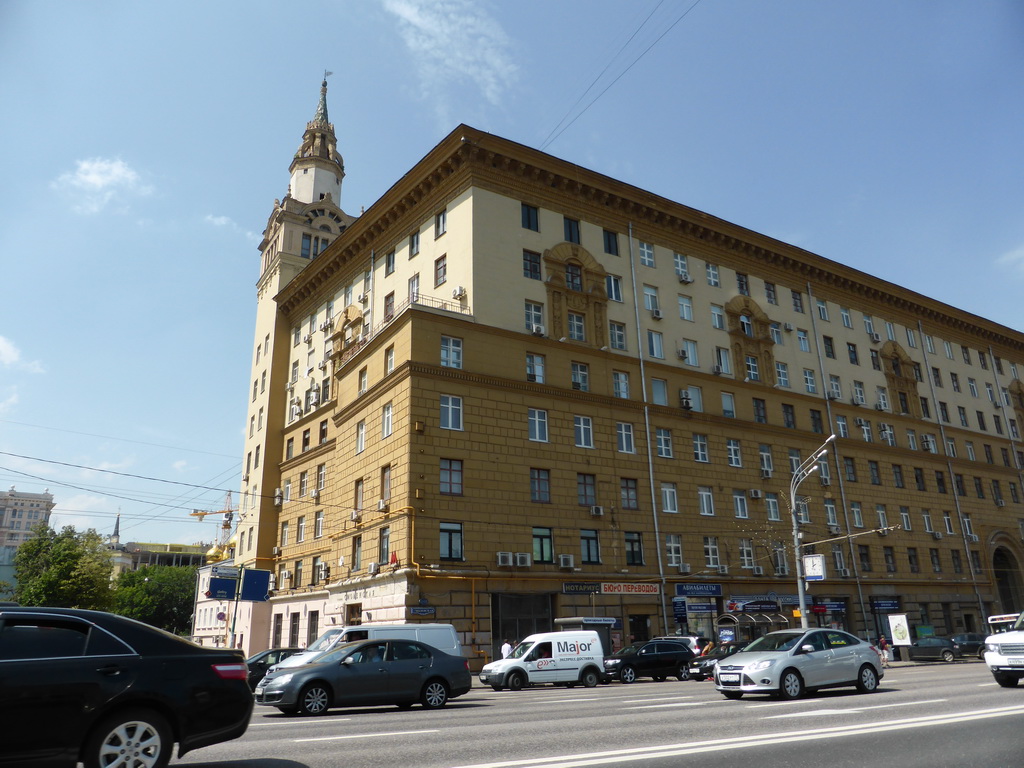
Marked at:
<point>683,673</point>
<point>627,674</point>
<point>315,699</point>
<point>947,655</point>
<point>867,680</point>
<point>1005,681</point>
<point>135,737</point>
<point>589,679</point>
<point>435,694</point>
<point>791,685</point>
<point>516,681</point>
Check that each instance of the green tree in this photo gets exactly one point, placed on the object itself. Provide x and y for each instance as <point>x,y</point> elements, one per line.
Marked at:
<point>69,569</point>
<point>160,595</point>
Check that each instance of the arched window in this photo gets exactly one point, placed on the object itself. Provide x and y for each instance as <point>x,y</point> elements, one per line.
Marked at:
<point>746,326</point>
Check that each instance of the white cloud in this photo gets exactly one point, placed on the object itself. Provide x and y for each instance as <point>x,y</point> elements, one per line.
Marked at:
<point>1013,260</point>
<point>180,466</point>
<point>99,182</point>
<point>9,400</point>
<point>10,357</point>
<point>229,223</point>
<point>454,42</point>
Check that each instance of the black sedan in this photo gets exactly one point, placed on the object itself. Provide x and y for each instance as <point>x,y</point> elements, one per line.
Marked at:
<point>934,648</point>
<point>657,659</point>
<point>264,660</point>
<point>703,667</point>
<point>367,673</point>
<point>92,687</point>
<point>970,644</point>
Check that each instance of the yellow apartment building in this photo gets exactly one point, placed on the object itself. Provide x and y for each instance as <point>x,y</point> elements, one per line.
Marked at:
<point>514,390</point>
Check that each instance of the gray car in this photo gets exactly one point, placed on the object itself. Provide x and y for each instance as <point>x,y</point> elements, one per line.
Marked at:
<point>791,662</point>
<point>367,673</point>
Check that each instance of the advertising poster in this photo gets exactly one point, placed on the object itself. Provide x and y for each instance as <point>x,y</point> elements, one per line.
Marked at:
<point>899,629</point>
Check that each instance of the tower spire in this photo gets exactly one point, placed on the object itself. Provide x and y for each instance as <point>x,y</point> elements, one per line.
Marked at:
<point>317,168</point>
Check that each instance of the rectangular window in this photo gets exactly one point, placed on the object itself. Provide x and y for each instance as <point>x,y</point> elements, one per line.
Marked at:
<point>537,420</point>
<point>543,545</point>
<point>613,287</point>
<point>669,498</point>
<point>451,541</point>
<point>531,265</point>
<point>451,352</point>
<point>770,294</point>
<point>771,504</point>
<point>628,492</point>
<point>685,308</point>
<point>706,500</point>
<point>535,368</point>
<point>531,217</point>
<point>534,314</point>
<point>440,270</point>
<point>798,302</point>
<point>733,451</point>
<point>616,335</point>
<point>451,477</point>
<point>673,550</point>
<point>711,559</point>
<point>646,254</point>
<point>700,448</point>
<point>822,310</point>
<point>711,272</point>
<point>624,438</point>
<point>586,490</point>
<point>664,442</point>
<point>590,547</point>
<point>655,346</point>
<point>584,431</point>
<point>742,284</point>
<point>571,228</point>
<point>384,545</point>
<point>739,504</point>
<point>634,548</point>
<point>540,486</point>
<point>414,244</point>
<point>451,412</point>
<point>580,376</point>
<point>717,317</point>
<point>611,243</point>
<point>577,326</point>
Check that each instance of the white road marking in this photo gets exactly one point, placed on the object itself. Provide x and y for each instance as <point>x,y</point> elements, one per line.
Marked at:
<point>853,710</point>
<point>305,721</point>
<point>364,736</point>
<point>620,756</point>
<point>655,698</point>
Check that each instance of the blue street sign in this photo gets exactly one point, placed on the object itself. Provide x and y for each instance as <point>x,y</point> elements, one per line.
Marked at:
<point>255,585</point>
<point>222,589</point>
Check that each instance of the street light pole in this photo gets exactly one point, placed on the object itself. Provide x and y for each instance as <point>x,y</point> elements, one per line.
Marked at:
<point>805,470</point>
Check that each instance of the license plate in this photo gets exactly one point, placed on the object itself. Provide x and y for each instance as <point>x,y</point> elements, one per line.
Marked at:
<point>727,678</point>
<point>694,670</point>
<point>1016,662</point>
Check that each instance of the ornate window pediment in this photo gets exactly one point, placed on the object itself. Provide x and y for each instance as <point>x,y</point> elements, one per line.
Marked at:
<point>576,284</point>
<point>750,336</point>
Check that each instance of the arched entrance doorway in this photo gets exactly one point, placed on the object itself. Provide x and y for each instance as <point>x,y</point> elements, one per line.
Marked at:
<point>1009,589</point>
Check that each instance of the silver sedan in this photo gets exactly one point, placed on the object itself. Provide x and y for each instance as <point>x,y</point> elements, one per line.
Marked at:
<point>791,662</point>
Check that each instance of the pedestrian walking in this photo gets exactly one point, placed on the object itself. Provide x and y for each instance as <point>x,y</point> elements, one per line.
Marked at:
<point>883,646</point>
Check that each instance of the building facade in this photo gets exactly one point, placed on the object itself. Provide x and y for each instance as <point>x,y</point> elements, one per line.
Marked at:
<point>515,390</point>
<point>20,512</point>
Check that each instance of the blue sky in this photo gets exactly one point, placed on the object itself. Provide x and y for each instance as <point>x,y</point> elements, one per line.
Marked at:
<point>143,145</point>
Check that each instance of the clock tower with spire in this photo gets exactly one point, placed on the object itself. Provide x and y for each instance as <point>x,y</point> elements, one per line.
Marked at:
<point>300,227</point>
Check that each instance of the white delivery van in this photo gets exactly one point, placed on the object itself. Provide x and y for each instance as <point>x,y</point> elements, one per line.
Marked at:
<point>440,636</point>
<point>569,658</point>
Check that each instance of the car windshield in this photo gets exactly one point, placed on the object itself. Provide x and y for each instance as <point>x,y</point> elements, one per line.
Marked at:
<point>776,641</point>
<point>334,654</point>
<point>326,641</point>
<point>629,650</point>
<point>521,650</point>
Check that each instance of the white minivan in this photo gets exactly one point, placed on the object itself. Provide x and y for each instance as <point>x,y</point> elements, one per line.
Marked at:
<point>440,636</point>
<point>569,658</point>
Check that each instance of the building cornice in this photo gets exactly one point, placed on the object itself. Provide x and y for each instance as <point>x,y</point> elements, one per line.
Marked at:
<point>469,157</point>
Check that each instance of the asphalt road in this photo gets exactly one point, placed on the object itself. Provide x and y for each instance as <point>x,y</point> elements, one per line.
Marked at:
<point>930,715</point>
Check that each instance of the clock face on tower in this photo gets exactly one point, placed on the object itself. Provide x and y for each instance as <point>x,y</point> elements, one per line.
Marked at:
<point>814,567</point>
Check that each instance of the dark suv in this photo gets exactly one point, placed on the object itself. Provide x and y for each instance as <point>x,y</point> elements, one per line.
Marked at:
<point>657,659</point>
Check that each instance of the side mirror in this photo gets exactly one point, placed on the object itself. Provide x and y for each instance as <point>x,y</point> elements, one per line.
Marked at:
<point>348,660</point>
<point>807,648</point>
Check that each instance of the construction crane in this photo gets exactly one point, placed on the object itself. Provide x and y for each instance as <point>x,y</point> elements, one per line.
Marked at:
<point>219,551</point>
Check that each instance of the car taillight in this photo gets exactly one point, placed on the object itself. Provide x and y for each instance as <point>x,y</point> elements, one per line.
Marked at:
<point>466,662</point>
<point>231,671</point>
